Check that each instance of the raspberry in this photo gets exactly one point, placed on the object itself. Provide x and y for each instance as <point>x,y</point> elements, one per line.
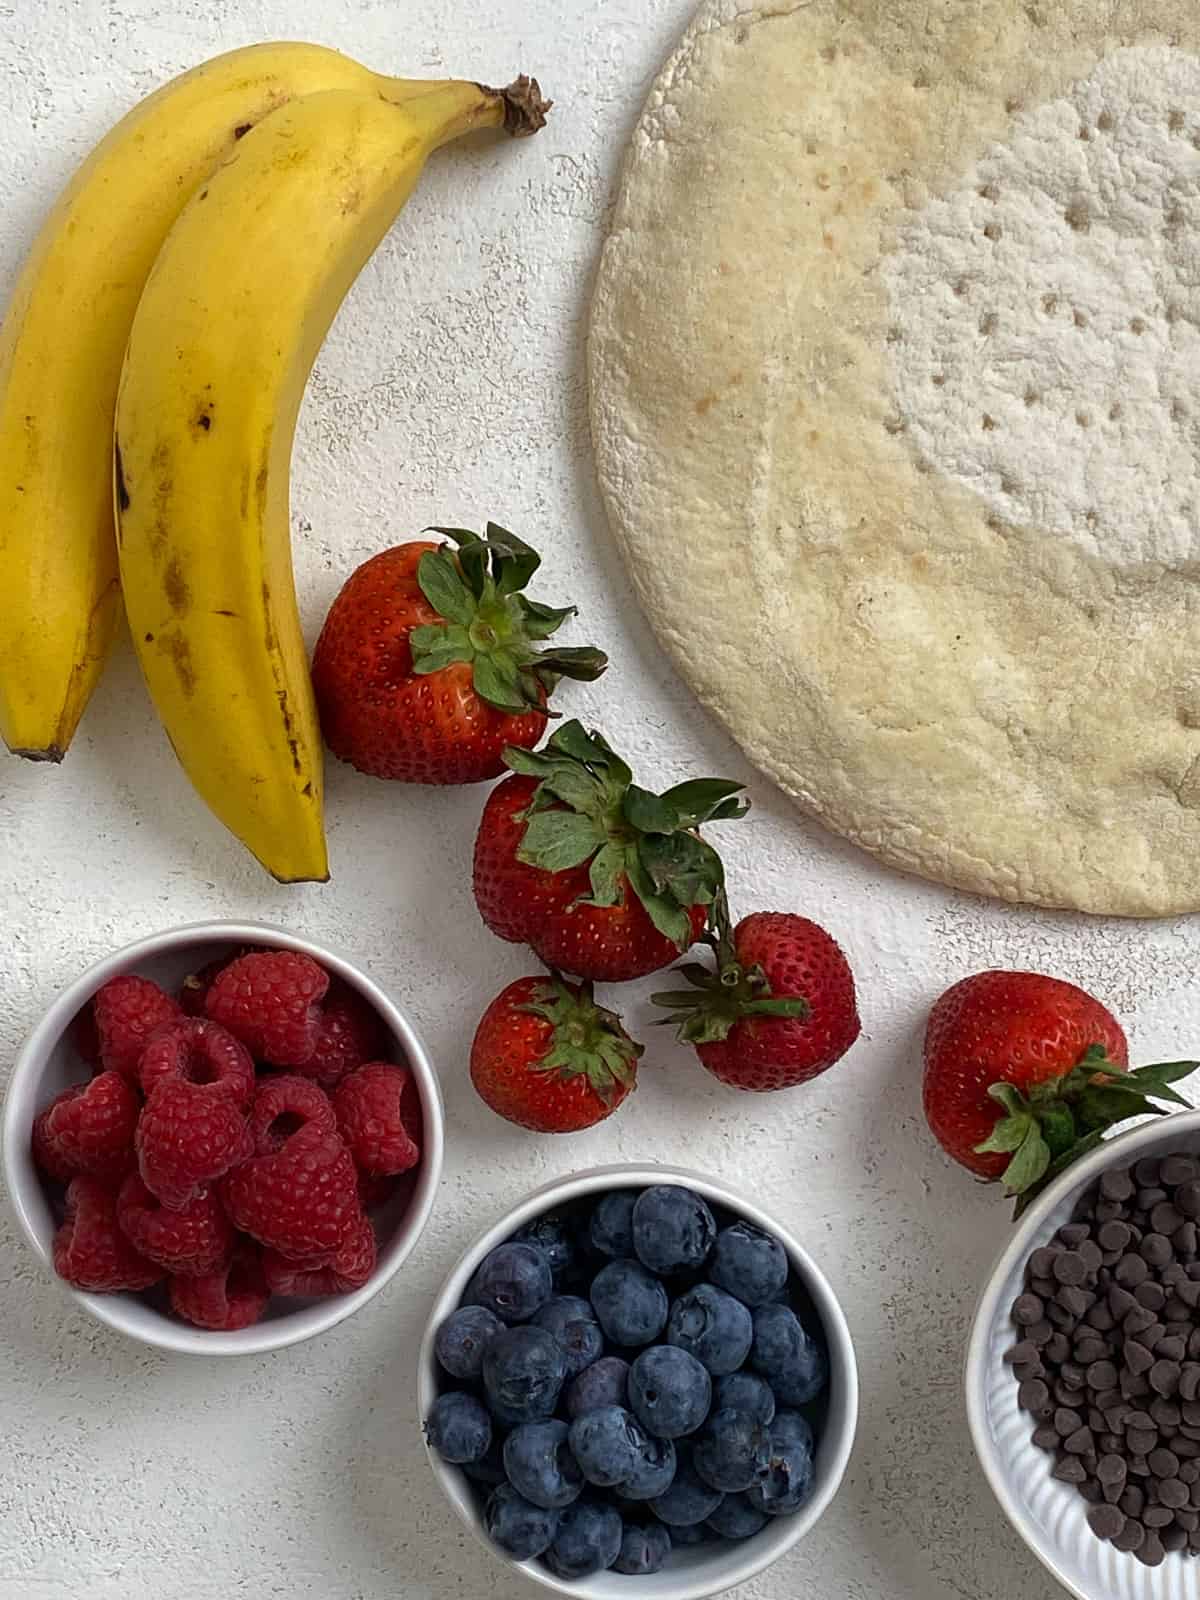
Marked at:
<point>284,1105</point>
<point>379,1113</point>
<point>193,1051</point>
<point>270,1001</point>
<point>90,1127</point>
<point>349,1269</point>
<point>127,1011</point>
<point>351,1034</point>
<point>90,1251</point>
<point>48,1158</point>
<point>194,1242</point>
<point>234,1297</point>
<point>190,1134</point>
<point>300,1199</point>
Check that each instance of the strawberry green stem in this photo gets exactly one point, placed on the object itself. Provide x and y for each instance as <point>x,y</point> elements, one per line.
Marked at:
<point>587,1041</point>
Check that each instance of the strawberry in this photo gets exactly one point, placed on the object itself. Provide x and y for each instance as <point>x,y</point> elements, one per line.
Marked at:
<point>777,1010</point>
<point>1024,1073</point>
<point>548,1058</point>
<point>599,877</point>
<point>428,664</point>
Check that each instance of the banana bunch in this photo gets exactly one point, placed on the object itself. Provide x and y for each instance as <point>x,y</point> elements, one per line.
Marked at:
<point>174,303</point>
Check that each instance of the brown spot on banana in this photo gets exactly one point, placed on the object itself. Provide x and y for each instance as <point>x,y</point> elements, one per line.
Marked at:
<point>176,647</point>
<point>176,587</point>
<point>122,488</point>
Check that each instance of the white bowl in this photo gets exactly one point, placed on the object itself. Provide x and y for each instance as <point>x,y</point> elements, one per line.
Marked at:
<point>1051,1516</point>
<point>48,1063</point>
<point>699,1571</point>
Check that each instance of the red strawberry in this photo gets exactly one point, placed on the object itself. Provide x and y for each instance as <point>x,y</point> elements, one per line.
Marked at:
<point>428,664</point>
<point>599,877</point>
<point>778,1009</point>
<point>548,1058</point>
<point>1023,1073</point>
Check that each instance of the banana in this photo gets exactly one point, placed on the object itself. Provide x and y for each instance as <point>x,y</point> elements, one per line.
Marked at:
<point>229,324</point>
<point>61,347</point>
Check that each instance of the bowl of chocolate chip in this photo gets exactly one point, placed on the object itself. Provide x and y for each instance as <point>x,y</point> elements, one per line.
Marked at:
<point>1083,1369</point>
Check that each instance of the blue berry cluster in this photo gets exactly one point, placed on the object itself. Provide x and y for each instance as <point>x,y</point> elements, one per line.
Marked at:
<point>627,1376</point>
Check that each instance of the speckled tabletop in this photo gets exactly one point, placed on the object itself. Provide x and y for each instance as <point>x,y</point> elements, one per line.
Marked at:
<point>452,389</point>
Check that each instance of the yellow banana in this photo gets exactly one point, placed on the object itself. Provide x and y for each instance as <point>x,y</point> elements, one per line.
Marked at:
<point>61,347</point>
<point>229,324</point>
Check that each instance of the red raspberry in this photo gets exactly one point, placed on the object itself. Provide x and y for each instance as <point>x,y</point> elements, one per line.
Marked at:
<point>48,1159</point>
<point>193,1242</point>
<point>90,1251</point>
<point>349,1269</point>
<point>379,1113</point>
<point>193,1051</point>
<point>271,1002</point>
<point>90,1127</point>
<point>351,1034</point>
<point>300,1197</point>
<point>284,1105</point>
<point>234,1297</point>
<point>127,1011</point>
<point>190,1134</point>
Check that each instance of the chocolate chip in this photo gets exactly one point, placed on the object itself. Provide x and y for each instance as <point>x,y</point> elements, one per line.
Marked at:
<point>1106,1399</point>
<point>1187,1198</point>
<point>1165,1413</point>
<point>1157,1516</point>
<point>1093,1256</point>
<point>1057,1349</point>
<point>1150,1296</point>
<point>1040,1333</point>
<point>1178,1169</point>
<point>1194,1345</point>
<point>1189,1292</point>
<point>1110,1444</point>
<point>1072,1375</point>
<point>1133,1386</point>
<point>1046,1436</point>
<point>1066,1421</point>
<point>1177,1316</point>
<point>1147,1170</point>
<point>1187,1519</point>
<point>1111,1468</point>
<point>1027,1309</point>
<point>1091,1491</point>
<point>1033,1395</point>
<point>1189,1470</point>
<point>1185,1239</point>
<point>1130,1537</point>
<point>1194,1493</point>
<point>1073,1234</point>
<point>1132,1500</point>
<point>1114,1236</point>
<point>1173,1492</point>
<point>1068,1470</point>
<point>1073,1299</point>
<point>1150,1552</point>
<point>1173,1538</point>
<point>1105,1521</point>
<point>1117,1184</point>
<point>1095,1419</point>
<point>1120,1301</point>
<point>1129,1271</point>
<point>1116,1416</point>
<point>1024,1370</point>
<point>1189,1381</point>
<point>1186,1450</point>
<point>1139,1441</point>
<point>1155,1251</point>
<point>1136,1357</point>
<point>1147,1198</point>
<point>1165,1219</point>
<point>1137,1465</point>
<point>1191,1413</point>
<point>1070,1267</point>
<point>1102,1374</point>
<point>1089,1348</point>
<point>1041,1262</point>
<point>1164,1463</point>
<point>1170,1347</point>
<point>1059,1315</point>
<point>1138,1320</point>
<point>1163,1375</point>
<point>1099,1317</point>
<point>1079,1443</point>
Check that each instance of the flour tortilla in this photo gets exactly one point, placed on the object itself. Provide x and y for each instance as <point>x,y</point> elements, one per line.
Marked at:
<point>977,700</point>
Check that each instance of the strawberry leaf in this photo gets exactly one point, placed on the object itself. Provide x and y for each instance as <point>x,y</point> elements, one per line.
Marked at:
<point>605,875</point>
<point>442,585</point>
<point>559,840</point>
<point>1029,1163</point>
<point>541,621</point>
<point>583,664</point>
<point>682,866</point>
<point>705,800</point>
<point>434,647</point>
<point>497,681</point>
<point>649,813</point>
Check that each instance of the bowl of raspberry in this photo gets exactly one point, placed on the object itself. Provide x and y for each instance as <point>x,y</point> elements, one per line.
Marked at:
<point>223,1139</point>
<point>638,1383</point>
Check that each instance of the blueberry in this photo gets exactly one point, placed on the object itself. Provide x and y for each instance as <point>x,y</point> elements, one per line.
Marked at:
<point>745,1391</point>
<point>712,1326</point>
<point>604,1383</point>
<point>669,1391</point>
<point>513,1280</point>
<point>689,1499</point>
<point>490,1470</point>
<point>790,1427</point>
<point>540,1465</point>
<point>588,1540</point>
<point>523,1372</point>
<point>731,1451</point>
<point>458,1428</point>
<point>673,1229</point>
<point>694,1533</point>
<point>654,1472</point>
<point>748,1263</point>
<point>644,1549</point>
<point>553,1237</point>
<point>573,1323</point>
<point>788,1480</point>
<point>611,1230</point>
<point>736,1518</point>
<point>608,1445</point>
<point>462,1339</point>
<point>519,1528</point>
<point>630,1305</point>
<point>792,1363</point>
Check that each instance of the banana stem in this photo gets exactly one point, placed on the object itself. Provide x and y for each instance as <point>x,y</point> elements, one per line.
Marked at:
<point>525,108</point>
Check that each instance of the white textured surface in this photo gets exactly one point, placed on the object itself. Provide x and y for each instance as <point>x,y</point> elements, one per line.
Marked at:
<point>452,389</point>
<point>1051,315</point>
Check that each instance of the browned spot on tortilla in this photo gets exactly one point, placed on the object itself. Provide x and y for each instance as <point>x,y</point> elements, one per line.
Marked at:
<point>175,646</point>
<point>724,268</point>
<point>827,241</point>
<point>735,378</point>
<point>1078,216</point>
<point>705,403</point>
<point>1105,122</point>
<point>176,587</point>
<point>814,437</point>
<point>869,190</point>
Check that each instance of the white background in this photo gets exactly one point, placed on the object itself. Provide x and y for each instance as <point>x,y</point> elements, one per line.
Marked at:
<point>452,389</point>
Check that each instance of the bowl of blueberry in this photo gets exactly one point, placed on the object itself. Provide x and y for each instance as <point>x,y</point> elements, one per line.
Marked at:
<point>637,1374</point>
